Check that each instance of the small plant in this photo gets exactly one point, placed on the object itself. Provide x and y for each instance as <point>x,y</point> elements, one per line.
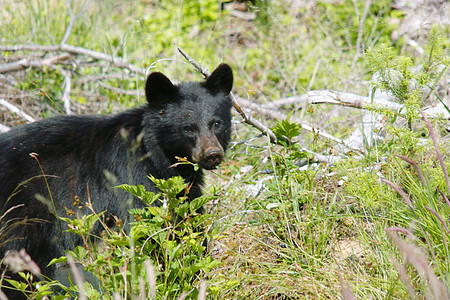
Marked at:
<point>397,75</point>
<point>429,211</point>
<point>169,239</point>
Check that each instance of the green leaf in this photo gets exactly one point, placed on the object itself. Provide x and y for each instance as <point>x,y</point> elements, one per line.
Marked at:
<point>182,209</point>
<point>199,202</point>
<point>62,259</point>
<point>140,192</point>
<point>286,130</point>
<point>172,186</point>
<point>18,285</point>
<point>79,253</point>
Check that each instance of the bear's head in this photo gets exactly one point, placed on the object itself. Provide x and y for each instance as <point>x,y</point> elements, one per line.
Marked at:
<point>191,119</point>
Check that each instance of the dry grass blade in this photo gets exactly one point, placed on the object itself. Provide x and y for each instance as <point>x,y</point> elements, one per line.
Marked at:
<point>436,147</point>
<point>346,292</point>
<point>417,258</point>
<point>437,216</point>
<point>403,274</point>
<point>151,279</point>
<point>202,291</point>
<point>3,296</point>
<point>416,167</point>
<point>18,261</point>
<point>77,277</point>
<point>400,191</point>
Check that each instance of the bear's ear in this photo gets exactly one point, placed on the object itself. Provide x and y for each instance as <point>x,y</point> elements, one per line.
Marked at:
<point>159,89</point>
<point>221,80</point>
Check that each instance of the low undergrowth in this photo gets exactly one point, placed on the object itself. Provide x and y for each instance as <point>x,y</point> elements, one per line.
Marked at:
<point>280,224</point>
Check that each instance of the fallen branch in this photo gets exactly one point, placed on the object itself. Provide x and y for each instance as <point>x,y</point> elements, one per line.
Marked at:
<point>114,60</point>
<point>73,19</point>
<point>4,128</point>
<point>33,63</point>
<point>276,115</point>
<point>67,88</point>
<point>348,100</point>
<point>16,110</point>
<point>332,97</point>
<point>97,78</point>
<point>121,91</point>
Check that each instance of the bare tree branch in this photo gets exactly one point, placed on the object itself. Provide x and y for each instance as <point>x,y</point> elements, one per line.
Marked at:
<point>73,19</point>
<point>202,70</point>
<point>276,115</point>
<point>86,79</point>
<point>67,88</point>
<point>114,60</point>
<point>34,63</point>
<point>22,47</point>
<point>348,100</point>
<point>331,97</point>
<point>4,128</point>
<point>16,110</point>
<point>122,91</point>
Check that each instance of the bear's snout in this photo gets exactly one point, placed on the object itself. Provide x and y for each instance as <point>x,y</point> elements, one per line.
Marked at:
<point>212,158</point>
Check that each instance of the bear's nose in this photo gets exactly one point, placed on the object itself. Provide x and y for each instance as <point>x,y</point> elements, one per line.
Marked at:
<point>213,157</point>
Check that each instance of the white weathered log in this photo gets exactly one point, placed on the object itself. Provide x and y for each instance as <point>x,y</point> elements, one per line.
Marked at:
<point>16,110</point>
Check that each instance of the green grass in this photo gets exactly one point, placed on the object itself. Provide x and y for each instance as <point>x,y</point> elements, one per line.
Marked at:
<point>289,233</point>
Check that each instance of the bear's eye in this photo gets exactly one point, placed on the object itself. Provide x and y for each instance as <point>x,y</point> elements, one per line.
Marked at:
<point>188,128</point>
<point>217,124</point>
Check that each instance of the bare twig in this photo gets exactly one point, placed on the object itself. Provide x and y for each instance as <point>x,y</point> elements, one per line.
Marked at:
<point>337,98</point>
<point>116,61</point>
<point>280,116</point>
<point>34,63</point>
<point>122,91</point>
<point>67,88</point>
<point>202,290</point>
<point>151,278</point>
<point>436,148</point>
<point>202,70</point>
<point>21,47</point>
<point>86,79</point>
<point>348,100</point>
<point>4,128</point>
<point>271,113</point>
<point>73,19</point>
<point>16,110</point>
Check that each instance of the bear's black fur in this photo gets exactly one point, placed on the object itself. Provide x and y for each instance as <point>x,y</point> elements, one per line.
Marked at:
<point>191,119</point>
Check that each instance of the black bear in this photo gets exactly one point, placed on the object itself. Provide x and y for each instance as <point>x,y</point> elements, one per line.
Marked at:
<point>45,165</point>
